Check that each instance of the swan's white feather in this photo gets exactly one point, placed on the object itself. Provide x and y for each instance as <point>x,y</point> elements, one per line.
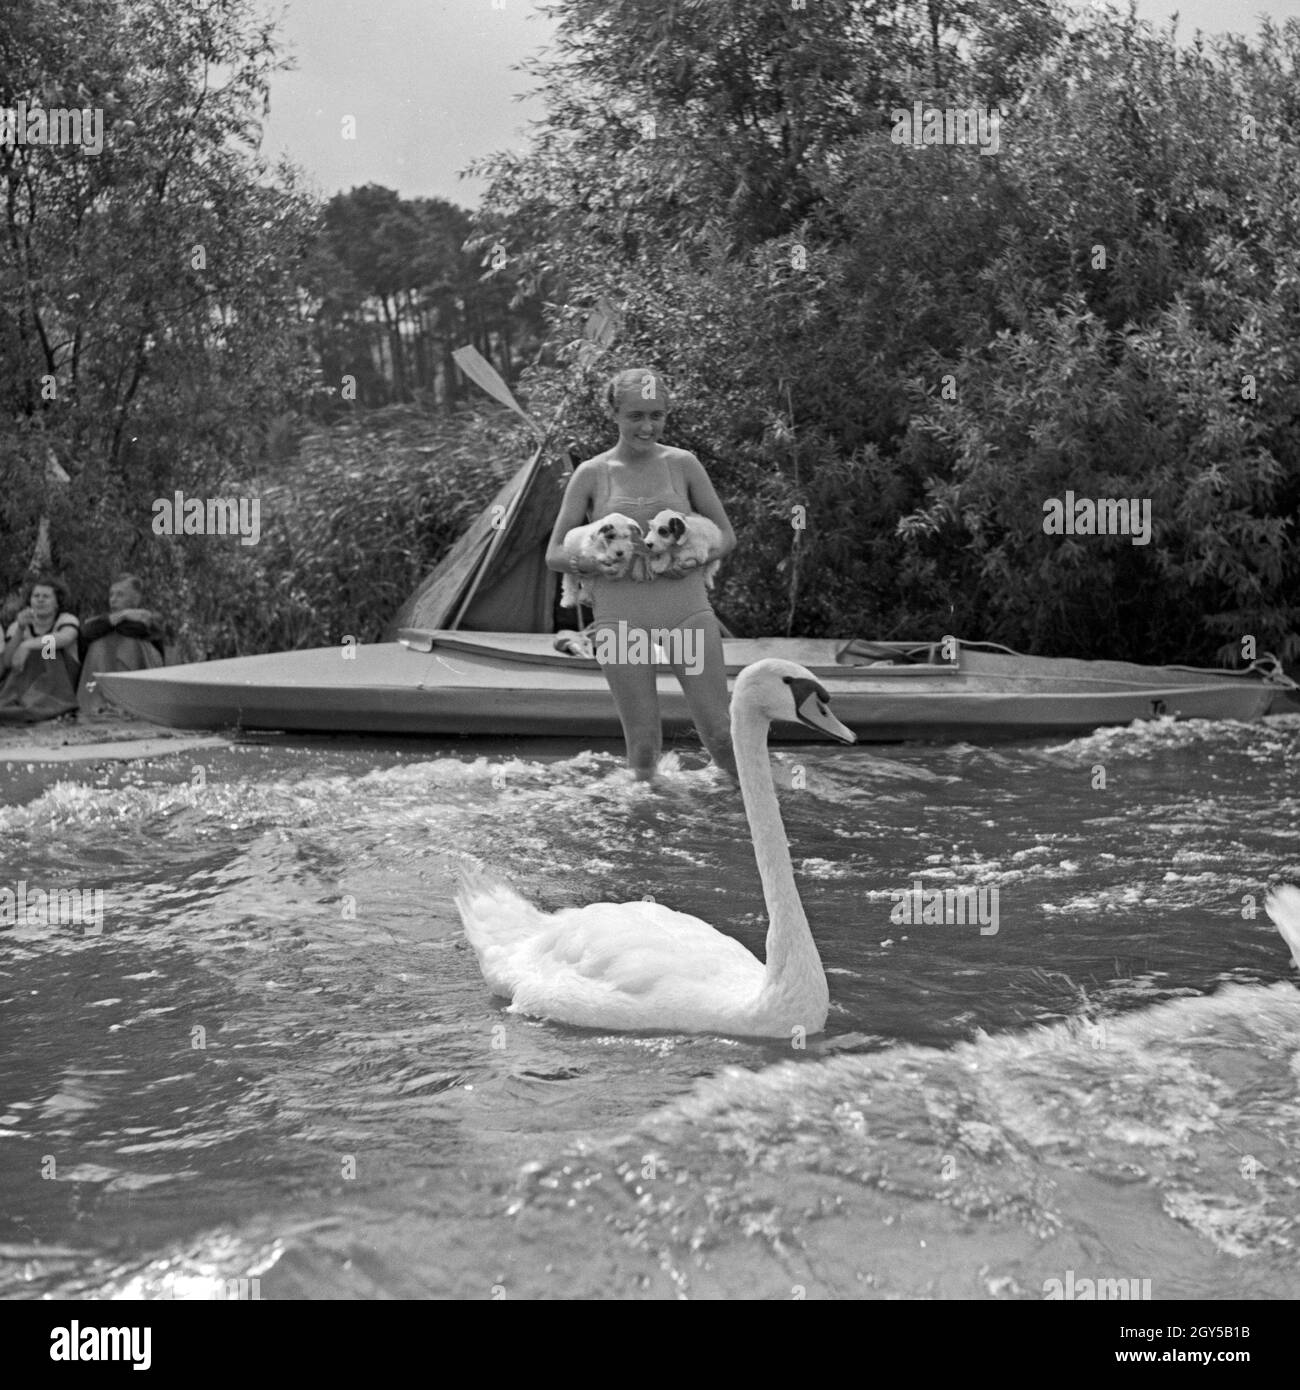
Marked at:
<point>608,965</point>
<point>1283,906</point>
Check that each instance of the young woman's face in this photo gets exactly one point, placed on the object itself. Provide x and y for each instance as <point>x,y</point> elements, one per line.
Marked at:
<point>44,601</point>
<point>641,416</point>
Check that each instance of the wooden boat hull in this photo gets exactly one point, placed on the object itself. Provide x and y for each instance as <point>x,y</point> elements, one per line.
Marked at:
<point>517,685</point>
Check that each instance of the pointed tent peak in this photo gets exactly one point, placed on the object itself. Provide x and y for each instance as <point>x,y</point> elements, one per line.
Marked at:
<point>602,327</point>
<point>494,579</point>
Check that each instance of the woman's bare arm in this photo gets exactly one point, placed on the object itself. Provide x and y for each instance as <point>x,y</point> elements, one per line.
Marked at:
<point>11,644</point>
<point>705,502</point>
<point>66,629</point>
<point>578,497</point>
<point>63,634</point>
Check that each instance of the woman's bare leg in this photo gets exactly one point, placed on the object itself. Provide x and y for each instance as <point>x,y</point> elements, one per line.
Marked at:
<point>636,697</point>
<point>706,694</point>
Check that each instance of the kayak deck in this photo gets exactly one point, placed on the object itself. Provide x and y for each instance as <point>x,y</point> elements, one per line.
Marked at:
<point>516,684</point>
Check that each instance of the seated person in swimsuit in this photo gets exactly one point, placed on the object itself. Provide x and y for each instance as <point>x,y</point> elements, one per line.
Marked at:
<point>640,476</point>
<point>39,661</point>
<point>129,637</point>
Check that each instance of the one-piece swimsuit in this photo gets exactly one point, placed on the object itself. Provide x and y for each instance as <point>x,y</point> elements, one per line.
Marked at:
<point>647,603</point>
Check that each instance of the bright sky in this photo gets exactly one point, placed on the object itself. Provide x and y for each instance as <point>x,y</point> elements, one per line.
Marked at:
<point>428,81</point>
<point>430,85</point>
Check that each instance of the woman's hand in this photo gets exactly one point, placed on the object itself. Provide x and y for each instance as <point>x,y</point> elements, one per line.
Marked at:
<point>607,566</point>
<point>26,618</point>
<point>679,568</point>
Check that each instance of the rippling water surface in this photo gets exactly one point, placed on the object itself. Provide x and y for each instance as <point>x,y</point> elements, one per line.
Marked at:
<point>277,1060</point>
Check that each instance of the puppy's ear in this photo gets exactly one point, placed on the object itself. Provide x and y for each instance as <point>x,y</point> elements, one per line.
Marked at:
<point>677,527</point>
<point>635,528</point>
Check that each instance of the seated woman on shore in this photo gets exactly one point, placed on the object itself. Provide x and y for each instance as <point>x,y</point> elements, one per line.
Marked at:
<point>39,661</point>
<point>129,637</point>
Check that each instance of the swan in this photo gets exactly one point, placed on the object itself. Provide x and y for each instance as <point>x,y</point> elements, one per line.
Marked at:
<point>1283,906</point>
<point>641,967</point>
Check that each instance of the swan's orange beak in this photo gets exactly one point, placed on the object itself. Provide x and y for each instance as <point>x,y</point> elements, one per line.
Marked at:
<point>812,707</point>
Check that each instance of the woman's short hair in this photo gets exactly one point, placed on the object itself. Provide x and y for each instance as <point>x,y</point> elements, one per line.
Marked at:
<point>633,379</point>
<point>50,581</point>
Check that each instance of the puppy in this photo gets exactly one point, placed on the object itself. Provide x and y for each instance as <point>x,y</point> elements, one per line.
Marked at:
<point>611,542</point>
<point>673,537</point>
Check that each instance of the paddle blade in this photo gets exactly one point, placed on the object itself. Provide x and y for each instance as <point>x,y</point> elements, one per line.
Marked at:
<point>599,332</point>
<point>602,324</point>
<point>485,376</point>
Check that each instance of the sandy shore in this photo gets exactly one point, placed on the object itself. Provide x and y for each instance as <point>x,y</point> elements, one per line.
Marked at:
<point>75,738</point>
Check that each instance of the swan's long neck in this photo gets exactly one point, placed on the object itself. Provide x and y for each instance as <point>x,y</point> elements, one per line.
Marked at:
<point>792,960</point>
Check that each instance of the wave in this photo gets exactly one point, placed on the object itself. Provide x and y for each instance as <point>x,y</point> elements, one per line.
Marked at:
<point>1096,1146</point>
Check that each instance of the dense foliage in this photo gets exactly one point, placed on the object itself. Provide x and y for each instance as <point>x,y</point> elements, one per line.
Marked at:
<point>889,356</point>
<point>349,529</point>
<point>914,348</point>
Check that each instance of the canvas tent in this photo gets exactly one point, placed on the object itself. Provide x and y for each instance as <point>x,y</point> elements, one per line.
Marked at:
<point>494,579</point>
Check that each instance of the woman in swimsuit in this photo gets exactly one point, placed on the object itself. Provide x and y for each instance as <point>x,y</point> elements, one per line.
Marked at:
<point>640,477</point>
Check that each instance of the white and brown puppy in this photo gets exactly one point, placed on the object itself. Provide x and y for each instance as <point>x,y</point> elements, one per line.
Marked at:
<point>673,537</point>
<point>610,542</point>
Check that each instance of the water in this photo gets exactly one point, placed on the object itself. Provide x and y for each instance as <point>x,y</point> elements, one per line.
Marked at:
<point>277,1061</point>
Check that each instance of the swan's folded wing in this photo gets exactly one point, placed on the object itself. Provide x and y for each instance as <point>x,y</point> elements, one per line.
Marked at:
<point>626,944</point>
<point>631,965</point>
